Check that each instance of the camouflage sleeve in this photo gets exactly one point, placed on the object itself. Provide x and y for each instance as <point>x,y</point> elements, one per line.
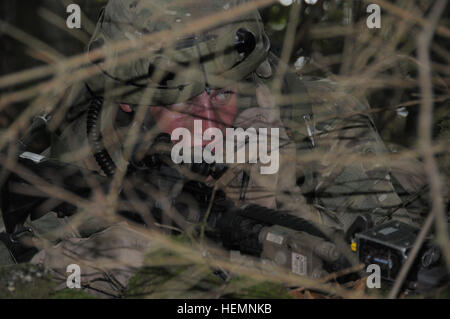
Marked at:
<point>351,169</point>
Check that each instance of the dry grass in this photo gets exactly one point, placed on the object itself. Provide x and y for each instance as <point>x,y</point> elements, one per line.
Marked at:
<point>413,37</point>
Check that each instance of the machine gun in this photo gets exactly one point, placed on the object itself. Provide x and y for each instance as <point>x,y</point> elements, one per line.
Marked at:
<point>279,236</point>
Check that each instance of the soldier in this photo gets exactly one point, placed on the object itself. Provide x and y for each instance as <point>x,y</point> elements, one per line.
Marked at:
<point>224,76</point>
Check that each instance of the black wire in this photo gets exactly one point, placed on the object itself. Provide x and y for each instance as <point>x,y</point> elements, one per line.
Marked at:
<point>99,151</point>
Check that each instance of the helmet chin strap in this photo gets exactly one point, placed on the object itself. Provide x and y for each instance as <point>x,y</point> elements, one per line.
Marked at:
<point>207,87</point>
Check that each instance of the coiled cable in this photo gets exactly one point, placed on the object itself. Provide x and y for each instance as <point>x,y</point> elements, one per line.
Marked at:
<point>94,136</point>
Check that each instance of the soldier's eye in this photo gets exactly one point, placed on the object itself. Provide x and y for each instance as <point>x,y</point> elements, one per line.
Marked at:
<point>222,97</point>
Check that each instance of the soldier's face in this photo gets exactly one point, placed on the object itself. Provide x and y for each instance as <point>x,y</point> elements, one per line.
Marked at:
<point>217,109</point>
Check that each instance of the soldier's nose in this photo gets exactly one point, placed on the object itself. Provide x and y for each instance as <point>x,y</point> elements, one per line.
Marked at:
<point>205,111</point>
<point>202,101</point>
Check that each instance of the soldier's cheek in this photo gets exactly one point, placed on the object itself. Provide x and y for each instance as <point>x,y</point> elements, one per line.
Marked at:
<point>226,114</point>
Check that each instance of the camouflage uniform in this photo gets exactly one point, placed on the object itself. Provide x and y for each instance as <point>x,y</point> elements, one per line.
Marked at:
<point>313,134</point>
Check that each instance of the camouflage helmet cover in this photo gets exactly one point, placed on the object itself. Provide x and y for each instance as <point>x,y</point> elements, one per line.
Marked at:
<point>176,72</point>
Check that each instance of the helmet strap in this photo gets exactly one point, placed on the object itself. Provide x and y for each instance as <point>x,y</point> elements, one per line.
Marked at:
<point>207,87</point>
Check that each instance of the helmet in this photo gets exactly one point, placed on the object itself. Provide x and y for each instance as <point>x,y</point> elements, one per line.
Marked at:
<point>179,69</point>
